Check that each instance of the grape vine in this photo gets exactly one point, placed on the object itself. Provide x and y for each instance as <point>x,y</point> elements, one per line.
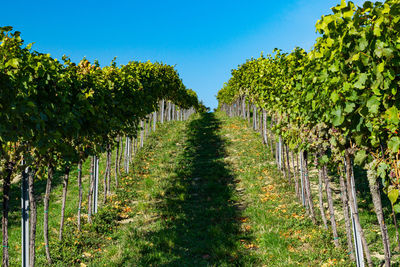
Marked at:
<point>342,97</point>
<point>56,114</point>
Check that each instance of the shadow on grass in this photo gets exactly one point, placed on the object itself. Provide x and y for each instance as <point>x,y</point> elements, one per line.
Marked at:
<point>200,226</point>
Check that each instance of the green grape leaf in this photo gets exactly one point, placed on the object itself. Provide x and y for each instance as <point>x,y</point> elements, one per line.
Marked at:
<point>396,208</point>
<point>361,81</point>
<point>356,57</point>
<point>14,62</point>
<point>358,139</point>
<point>338,117</point>
<point>377,30</point>
<point>387,52</point>
<point>381,171</point>
<point>381,67</point>
<point>393,195</point>
<point>329,42</point>
<point>334,96</point>
<point>349,107</point>
<point>360,156</point>
<point>394,144</point>
<point>373,104</point>
<point>334,68</point>
<point>324,159</point>
<point>309,96</point>
<point>393,115</point>
<point>348,14</point>
<point>363,44</point>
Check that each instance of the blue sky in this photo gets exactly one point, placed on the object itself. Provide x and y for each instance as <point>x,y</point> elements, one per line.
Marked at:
<point>204,39</point>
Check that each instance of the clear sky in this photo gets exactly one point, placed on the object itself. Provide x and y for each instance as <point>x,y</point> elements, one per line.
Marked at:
<point>204,39</point>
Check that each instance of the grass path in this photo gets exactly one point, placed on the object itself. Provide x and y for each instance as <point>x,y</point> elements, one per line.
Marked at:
<point>201,194</point>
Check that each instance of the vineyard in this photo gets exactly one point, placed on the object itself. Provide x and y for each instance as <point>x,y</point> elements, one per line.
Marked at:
<point>335,108</point>
<point>56,115</point>
<point>123,165</point>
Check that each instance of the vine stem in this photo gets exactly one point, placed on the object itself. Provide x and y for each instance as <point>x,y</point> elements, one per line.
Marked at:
<point>64,201</point>
<point>46,199</point>
<point>330,206</point>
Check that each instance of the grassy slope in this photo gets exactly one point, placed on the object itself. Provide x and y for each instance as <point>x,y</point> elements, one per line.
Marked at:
<point>202,194</point>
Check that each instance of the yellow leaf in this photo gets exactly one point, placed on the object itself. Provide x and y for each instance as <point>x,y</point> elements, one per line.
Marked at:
<point>381,67</point>
<point>356,57</point>
<point>87,254</point>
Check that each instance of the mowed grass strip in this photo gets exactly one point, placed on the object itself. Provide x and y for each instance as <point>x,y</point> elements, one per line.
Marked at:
<point>203,193</point>
<point>184,205</point>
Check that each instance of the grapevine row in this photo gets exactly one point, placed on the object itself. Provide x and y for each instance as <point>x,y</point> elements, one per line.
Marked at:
<point>339,102</point>
<point>56,114</point>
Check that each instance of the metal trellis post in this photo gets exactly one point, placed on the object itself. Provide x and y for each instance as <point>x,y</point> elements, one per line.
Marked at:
<point>25,219</point>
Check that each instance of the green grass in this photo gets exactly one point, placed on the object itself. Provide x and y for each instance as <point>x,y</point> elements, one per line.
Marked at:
<point>201,193</point>
<point>54,212</point>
